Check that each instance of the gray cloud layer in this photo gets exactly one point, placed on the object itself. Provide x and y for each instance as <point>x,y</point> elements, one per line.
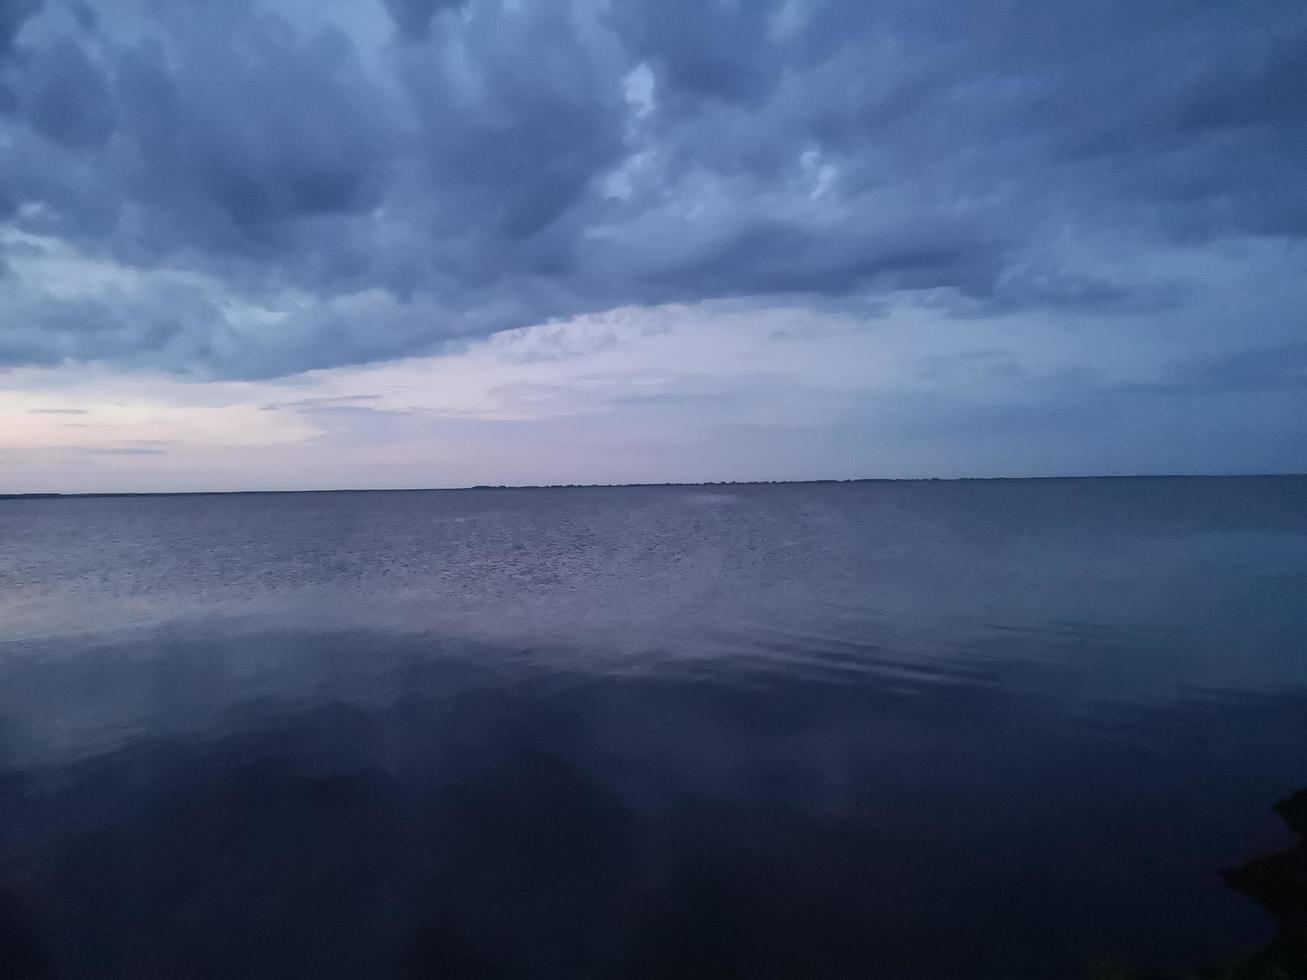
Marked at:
<point>281,185</point>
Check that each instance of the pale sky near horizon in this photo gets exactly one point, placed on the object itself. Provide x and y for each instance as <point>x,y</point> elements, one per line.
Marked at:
<point>274,244</point>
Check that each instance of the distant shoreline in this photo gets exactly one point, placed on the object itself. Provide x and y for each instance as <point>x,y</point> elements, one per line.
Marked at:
<point>635,486</point>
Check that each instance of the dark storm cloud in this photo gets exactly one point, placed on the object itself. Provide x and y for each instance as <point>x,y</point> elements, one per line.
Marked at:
<point>13,14</point>
<point>413,17</point>
<point>68,99</point>
<point>278,186</point>
<point>245,143</point>
<point>705,50</point>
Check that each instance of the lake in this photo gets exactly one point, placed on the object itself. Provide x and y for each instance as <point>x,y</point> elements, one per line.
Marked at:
<point>891,729</point>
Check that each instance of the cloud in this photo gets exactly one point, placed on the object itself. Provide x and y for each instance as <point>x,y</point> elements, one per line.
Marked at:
<point>13,14</point>
<point>413,17</point>
<point>58,411</point>
<point>1279,368</point>
<point>338,184</point>
<point>320,401</point>
<point>991,365</point>
<point>67,99</point>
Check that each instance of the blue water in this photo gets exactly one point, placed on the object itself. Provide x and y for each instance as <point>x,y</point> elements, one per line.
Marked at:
<point>973,729</point>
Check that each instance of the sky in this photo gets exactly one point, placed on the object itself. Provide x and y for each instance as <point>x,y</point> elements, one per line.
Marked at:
<point>284,244</point>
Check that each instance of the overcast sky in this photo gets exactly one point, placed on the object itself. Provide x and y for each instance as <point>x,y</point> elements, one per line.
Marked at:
<point>325,243</point>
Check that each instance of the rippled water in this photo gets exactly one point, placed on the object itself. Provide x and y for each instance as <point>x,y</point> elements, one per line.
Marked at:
<point>969,729</point>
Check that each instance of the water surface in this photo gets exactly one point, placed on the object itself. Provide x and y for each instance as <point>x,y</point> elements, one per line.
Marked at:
<point>975,729</point>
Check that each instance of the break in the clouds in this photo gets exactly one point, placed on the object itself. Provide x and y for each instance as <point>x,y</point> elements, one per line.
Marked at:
<point>256,188</point>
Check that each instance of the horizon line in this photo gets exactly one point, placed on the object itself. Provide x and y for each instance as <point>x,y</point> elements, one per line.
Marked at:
<point>59,495</point>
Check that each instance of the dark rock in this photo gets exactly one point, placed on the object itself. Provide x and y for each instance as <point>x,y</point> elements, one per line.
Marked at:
<point>1278,882</point>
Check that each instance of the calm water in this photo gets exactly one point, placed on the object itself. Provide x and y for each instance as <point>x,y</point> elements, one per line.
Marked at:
<point>979,729</point>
